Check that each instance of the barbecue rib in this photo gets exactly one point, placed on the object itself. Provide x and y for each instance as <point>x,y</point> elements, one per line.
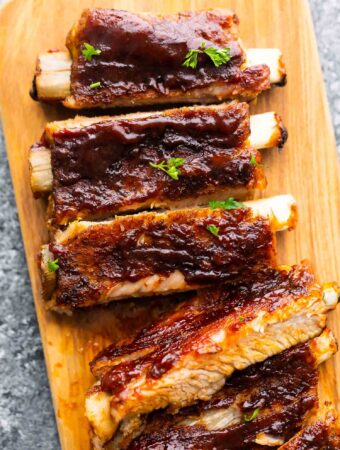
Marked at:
<point>323,434</point>
<point>187,354</point>
<point>101,166</point>
<point>141,57</point>
<point>158,253</point>
<point>280,393</point>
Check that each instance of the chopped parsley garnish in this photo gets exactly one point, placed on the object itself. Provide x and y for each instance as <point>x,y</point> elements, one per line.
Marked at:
<point>218,56</point>
<point>231,203</point>
<point>252,416</point>
<point>191,59</point>
<point>253,160</point>
<point>89,51</point>
<point>241,319</point>
<point>213,229</point>
<point>53,266</point>
<point>95,85</point>
<point>170,167</point>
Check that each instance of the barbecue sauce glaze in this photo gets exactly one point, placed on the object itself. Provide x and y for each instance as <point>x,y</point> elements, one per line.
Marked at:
<point>133,247</point>
<point>283,387</point>
<point>177,333</point>
<point>104,168</point>
<point>318,436</point>
<point>143,56</point>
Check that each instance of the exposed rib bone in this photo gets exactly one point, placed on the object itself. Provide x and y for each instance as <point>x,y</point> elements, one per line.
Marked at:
<point>53,72</point>
<point>266,131</point>
<point>272,57</point>
<point>41,170</point>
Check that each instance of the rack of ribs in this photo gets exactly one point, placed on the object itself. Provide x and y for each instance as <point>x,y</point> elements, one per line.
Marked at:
<point>119,58</point>
<point>96,168</point>
<point>188,354</point>
<point>161,252</point>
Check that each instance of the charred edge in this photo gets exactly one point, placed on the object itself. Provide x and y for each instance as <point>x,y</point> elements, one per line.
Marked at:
<point>34,91</point>
<point>283,132</point>
<point>282,82</point>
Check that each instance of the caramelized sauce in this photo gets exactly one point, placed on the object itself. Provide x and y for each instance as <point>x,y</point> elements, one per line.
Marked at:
<point>103,168</point>
<point>144,55</point>
<point>134,247</point>
<point>284,387</point>
<point>178,333</point>
<point>318,436</point>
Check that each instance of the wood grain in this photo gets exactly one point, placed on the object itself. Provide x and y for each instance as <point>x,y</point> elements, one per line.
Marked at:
<point>307,168</point>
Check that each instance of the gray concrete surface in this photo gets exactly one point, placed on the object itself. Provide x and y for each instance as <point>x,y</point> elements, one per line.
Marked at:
<point>26,415</point>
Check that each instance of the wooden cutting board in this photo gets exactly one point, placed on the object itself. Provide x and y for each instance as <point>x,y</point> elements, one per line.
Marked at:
<point>307,168</point>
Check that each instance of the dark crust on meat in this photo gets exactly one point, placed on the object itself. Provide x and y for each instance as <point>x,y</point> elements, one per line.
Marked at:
<point>318,436</point>
<point>142,56</point>
<point>180,332</point>
<point>237,437</point>
<point>131,248</point>
<point>284,388</point>
<point>104,168</point>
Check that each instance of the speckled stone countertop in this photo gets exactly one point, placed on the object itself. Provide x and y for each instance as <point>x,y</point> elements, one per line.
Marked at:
<point>26,414</point>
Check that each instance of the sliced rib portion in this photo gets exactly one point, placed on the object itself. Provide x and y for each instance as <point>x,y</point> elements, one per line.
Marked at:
<point>188,354</point>
<point>259,407</point>
<point>158,253</point>
<point>323,434</point>
<point>141,61</point>
<point>103,166</point>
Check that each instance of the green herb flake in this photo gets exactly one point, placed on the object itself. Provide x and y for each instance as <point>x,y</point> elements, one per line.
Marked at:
<point>89,51</point>
<point>252,416</point>
<point>95,85</point>
<point>213,229</point>
<point>170,167</point>
<point>191,59</point>
<point>53,266</point>
<point>252,160</point>
<point>241,319</point>
<point>218,56</point>
<point>231,203</point>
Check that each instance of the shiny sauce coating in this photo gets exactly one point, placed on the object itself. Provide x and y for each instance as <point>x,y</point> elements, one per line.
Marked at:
<point>142,55</point>
<point>318,436</point>
<point>104,168</point>
<point>178,332</point>
<point>130,248</point>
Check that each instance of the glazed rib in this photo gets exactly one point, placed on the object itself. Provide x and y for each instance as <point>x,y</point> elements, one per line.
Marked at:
<point>101,166</point>
<point>141,61</point>
<point>188,354</point>
<point>323,434</point>
<point>282,391</point>
<point>158,253</point>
